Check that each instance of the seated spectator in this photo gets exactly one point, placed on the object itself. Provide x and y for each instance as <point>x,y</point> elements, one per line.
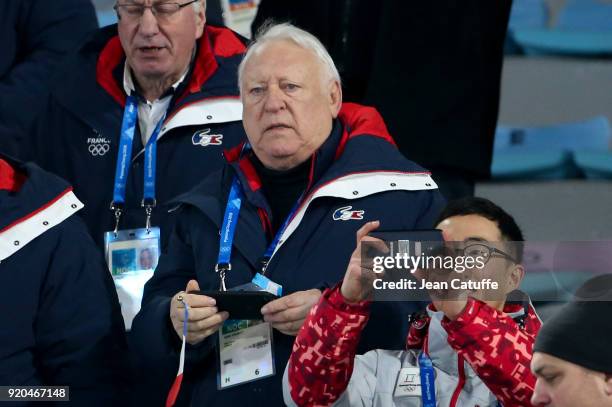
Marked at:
<point>147,98</point>
<point>480,347</point>
<point>34,36</point>
<point>572,358</point>
<point>61,323</point>
<point>439,93</point>
<point>179,75</point>
<point>311,174</point>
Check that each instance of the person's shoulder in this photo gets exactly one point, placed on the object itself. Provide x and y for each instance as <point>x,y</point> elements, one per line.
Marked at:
<point>41,187</point>
<point>224,42</point>
<point>41,209</point>
<point>367,140</point>
<point>84,57</point>
<point>204,195</point>
<point>382,155</point>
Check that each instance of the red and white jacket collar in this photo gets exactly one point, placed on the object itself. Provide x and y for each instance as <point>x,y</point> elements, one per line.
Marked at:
<point>215,43</point>
<point>22,231</point>
<point>357,121</point>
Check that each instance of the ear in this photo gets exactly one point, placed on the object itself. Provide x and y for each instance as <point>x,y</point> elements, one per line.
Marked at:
<point>515,277</point>
<point>608,384</point>
<point>200,20</point>
<point>335,98</point>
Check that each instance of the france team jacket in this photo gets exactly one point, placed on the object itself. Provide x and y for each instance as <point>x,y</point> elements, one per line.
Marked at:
<point>60,318</point>
<point>357,176</point>
<point>77,134</point>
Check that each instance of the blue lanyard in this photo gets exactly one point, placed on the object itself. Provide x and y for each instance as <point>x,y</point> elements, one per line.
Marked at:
<point>230,220</point>
<point>128,128</point>
<point>272,247</point>
<point>428,386</point>
<point>228,229</point>
<point>428,381</point>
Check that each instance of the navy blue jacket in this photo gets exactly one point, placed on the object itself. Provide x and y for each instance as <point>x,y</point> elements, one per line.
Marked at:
<point>77,134</point>
<point>34,36</point>
<point>60,318</point>
<point>356,176</point>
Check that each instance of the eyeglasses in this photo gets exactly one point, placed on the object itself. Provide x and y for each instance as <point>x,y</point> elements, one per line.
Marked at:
<point>163,12</point>
<point>486,252</point>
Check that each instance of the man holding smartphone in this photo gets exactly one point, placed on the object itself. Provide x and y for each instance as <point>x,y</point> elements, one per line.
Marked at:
<point>462,351</point>
<point>280,215</point>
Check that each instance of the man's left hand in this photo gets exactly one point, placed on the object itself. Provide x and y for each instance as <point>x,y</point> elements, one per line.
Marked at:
<point>287,314</point>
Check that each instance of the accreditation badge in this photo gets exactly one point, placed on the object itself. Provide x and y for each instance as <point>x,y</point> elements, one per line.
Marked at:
<point>245,352</point>
<point>132,256</point>
<point>408,382</point>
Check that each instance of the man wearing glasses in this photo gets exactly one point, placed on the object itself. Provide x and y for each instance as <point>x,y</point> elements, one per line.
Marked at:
<point>467,351</point>
<point>141,113</point>
<point>138,115</point>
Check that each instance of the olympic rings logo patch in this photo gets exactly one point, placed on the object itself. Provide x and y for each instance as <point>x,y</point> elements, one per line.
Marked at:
<point>98,149</point>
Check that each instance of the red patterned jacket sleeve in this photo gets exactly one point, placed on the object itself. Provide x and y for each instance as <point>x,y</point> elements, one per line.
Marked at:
<point>498,350</point>
<point>321,363</point>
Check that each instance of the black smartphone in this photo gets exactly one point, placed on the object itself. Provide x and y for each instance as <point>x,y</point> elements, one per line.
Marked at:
<point>401,241</point>
<point>240,304</point>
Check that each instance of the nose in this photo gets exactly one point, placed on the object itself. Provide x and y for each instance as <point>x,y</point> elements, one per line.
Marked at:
<point>148,23</point>
<point>540,396</point>
<point>274,100</point>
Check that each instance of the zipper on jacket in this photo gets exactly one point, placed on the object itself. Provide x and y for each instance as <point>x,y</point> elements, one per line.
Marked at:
<point>459,388</point>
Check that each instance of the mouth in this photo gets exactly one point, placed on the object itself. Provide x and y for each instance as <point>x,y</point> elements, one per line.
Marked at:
<point>277,126</point>
<point>150,50</point>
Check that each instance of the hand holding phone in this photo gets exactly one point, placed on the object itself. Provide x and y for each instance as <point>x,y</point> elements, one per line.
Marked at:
<point>239,304</point>
<point>204,316</point>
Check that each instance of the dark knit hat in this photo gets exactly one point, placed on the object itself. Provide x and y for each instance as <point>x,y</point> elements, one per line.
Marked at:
<point>581,332</point>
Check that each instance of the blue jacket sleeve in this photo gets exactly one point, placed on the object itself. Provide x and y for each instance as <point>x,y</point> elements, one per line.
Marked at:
<point>79,329</point>
<point>42,33</point>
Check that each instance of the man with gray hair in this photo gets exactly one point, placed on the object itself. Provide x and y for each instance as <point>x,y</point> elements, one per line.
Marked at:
<point>139,115</point>
<point>288,202</point>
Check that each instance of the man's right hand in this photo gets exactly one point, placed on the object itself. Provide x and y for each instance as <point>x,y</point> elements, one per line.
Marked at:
<point>204,317</point>
<point>357,283</point>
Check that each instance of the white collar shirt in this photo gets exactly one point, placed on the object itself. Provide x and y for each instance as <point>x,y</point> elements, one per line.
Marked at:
<point>149,113</point>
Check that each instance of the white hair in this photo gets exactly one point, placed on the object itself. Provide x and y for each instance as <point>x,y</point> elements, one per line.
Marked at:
<point>199,4</point>
<point>288,32</point>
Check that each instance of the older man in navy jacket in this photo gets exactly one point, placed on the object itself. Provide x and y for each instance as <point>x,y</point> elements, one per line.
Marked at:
<point>180,74</point>
<point>313,171</point>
